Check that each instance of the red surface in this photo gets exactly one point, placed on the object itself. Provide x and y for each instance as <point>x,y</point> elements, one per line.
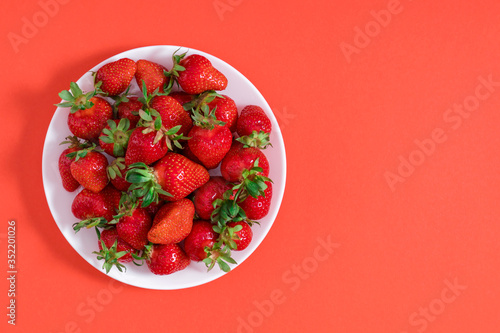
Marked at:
<point>420,255</point>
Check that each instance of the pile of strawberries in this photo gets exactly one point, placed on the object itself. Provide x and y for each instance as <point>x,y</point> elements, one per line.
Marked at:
<point>142,163</point>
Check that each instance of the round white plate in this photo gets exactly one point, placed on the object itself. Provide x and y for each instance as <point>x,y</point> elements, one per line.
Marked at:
<point>85,242</point>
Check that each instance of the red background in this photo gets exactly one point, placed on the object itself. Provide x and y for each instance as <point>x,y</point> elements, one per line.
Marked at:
<point>347,122</point>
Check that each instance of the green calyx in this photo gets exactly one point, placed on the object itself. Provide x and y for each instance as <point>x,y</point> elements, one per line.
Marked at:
<point>74,142</point>
<point>110,255</point>
<point>173,74</point>
<point>117,135</point>
<point>144,184</point>
<point>205,118</point>
<point>76,99</point>
<point>253,183</point>
<point>98,222</point>
<point>255,140</point>
<point>116,168</point>
<point>128,203</point>
<point>82,152</point>
<point>219,254</point>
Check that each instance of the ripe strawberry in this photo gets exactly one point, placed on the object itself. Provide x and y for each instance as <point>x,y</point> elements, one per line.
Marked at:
<point>253,118</point>
<point>240,233</point>
<point>88,115</point>
<point>257,208</point>
<point>116,174</point>
<point>69,183</point>
<point>172,113</point>
<point>253,127</point>
<point>133,223</point>
<point>115,76</point>
<point>130,110</point>
<point>210,141</point>
<point>152,74</point>
<point>165,259</point>
<point>199,75</point>
<point>225,110</point>
<point>171,178</point>
<point>88,205</point>
<point>202,235</point>
<point>172,223</point>
<point>207,194</point>
<point>114,137</point>
<point>113,250</point>
<point>89,168</point>
<point>239,158</point>
<point>143,148</point>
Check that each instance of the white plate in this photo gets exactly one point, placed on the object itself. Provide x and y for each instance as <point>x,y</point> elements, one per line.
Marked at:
<point>85,242</point>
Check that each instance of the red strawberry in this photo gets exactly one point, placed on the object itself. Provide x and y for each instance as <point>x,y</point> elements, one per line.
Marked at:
<point>257,208</point>
<point>114,137</point>
<point>130,110</point>
<point>181,97</point>
<point>241,234</point>
<point>109,237</point>
<point>210,141</point>
<point>133,223</point>
<point>88,124</point>
<point>207,194</point>
<point>69,183</point>
<point>189,154</point>
<point>151,74</point>
<point>143,148</point>
<point>199,75</point>
<point>239,158</point>
<point>253,118</point>
<point>166,259</point>
<point>89,168</point>
<point>172,113</point>
<point>116,174</point>
<point>202,235</point>
<point>172,223</point>
<point>225,110</point>
<point>154,207</point>
<point>115,76</point>
<point>88,204</point>
<point>253,127</point>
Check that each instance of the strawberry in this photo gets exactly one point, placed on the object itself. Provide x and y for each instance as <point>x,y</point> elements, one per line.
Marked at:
<point>116,174</point>
<point>89,168</point>
<point>163,259</point>
<point>95,208</point>
<point>172,223</point>
<point>133,223</point>
<point>210,140</point>
<point>129,109</point>
<point>172,113</point>
<point>257,208</point>
<point>114,78</point>
<point>201,236</point>
<point>253,118</point>
<point>69,183</point>
<point>205,196</point>
<point>225,110</point>
<point>114,137</point>
<point>198,75</point>
<point>253,127</point>
<point>240,233</point>
<point>171,178</point>
<point>143,147</point>
<point>239,158</point>
<point>151,74</point>
<point>113,250</point>
<point>89,114</point>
